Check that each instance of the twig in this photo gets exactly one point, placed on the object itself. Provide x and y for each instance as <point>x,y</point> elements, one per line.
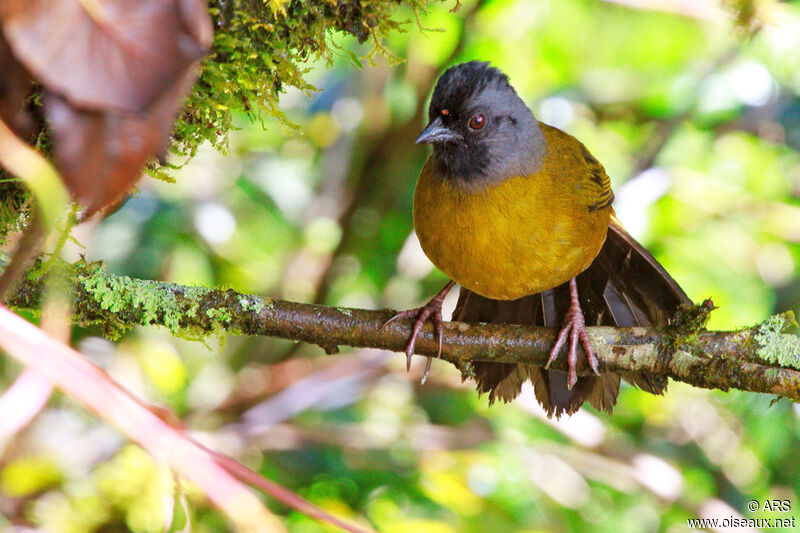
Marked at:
<point>720,359</point>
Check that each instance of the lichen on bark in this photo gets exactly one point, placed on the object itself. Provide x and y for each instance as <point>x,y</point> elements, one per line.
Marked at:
<point>776,347</point>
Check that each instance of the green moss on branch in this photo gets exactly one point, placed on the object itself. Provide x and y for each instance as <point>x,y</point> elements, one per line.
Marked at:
<point>720,359</point>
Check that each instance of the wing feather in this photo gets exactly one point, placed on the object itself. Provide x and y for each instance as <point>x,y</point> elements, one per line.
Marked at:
<point>624,286</point>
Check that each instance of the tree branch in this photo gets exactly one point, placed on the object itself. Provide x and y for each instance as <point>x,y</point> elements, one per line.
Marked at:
<point>714,360</point>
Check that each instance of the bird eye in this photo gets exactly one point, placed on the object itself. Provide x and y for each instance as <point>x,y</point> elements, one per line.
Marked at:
<point>445,112</point>
<point>477,122</point>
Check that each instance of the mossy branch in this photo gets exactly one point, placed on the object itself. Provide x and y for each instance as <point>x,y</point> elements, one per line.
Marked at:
<point>746,359</point>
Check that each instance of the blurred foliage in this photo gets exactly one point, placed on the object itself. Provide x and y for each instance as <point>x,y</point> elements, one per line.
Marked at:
<point>699,127</point>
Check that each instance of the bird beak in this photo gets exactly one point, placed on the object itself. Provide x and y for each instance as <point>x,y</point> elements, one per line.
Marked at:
<point>436,132</point>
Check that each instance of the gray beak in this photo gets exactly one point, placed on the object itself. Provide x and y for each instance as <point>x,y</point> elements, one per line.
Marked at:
<point>436,132</point>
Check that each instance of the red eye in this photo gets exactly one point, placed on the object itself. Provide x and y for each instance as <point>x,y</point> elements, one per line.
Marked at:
<point>477,122</point>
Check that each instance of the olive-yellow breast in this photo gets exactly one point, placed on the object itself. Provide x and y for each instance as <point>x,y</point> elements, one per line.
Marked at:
<point>521,235</point>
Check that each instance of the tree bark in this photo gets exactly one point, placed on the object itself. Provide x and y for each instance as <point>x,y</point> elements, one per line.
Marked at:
<point>708,359</point>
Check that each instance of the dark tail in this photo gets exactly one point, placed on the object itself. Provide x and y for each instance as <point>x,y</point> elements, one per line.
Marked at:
<point>624,286</point>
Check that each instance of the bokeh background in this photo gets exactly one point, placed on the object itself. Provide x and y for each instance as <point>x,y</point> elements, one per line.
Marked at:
<point>696,117</point>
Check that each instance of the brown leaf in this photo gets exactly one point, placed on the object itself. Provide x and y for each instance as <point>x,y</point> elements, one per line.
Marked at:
<point>100,154</point>
<point>15,85</point>
<point>107,54</point>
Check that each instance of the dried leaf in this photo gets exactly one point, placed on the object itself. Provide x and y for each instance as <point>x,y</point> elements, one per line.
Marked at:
<point>100,154</point>
<point>15,84</point>
<point>107,54</point>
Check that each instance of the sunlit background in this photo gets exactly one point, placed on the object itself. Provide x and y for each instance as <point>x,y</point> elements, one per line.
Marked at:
<point>697,121</point>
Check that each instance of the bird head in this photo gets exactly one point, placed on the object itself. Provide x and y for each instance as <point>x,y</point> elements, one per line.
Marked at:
<point>480,129</point>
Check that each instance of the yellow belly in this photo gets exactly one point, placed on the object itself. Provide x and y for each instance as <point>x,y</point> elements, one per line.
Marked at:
<point>511,239</point>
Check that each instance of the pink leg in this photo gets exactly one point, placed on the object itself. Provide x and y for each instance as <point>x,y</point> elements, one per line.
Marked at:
<point>575,326</point>
<point>431,310</point>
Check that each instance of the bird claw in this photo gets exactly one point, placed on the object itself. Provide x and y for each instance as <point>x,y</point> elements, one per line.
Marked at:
<point>431,310</point>
<point>575,326</point>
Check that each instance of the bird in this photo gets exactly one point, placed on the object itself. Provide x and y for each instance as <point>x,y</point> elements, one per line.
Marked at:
<point>519,214</point>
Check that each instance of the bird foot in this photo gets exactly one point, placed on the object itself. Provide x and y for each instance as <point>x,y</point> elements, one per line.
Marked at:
<point>575,326</point>
<point>430,311</point>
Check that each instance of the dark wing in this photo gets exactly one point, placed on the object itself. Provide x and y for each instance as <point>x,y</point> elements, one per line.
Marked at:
<point>597,189</point>
<point>624,286</point>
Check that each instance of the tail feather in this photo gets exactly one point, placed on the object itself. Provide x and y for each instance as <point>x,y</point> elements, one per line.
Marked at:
<point>624,286</point>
